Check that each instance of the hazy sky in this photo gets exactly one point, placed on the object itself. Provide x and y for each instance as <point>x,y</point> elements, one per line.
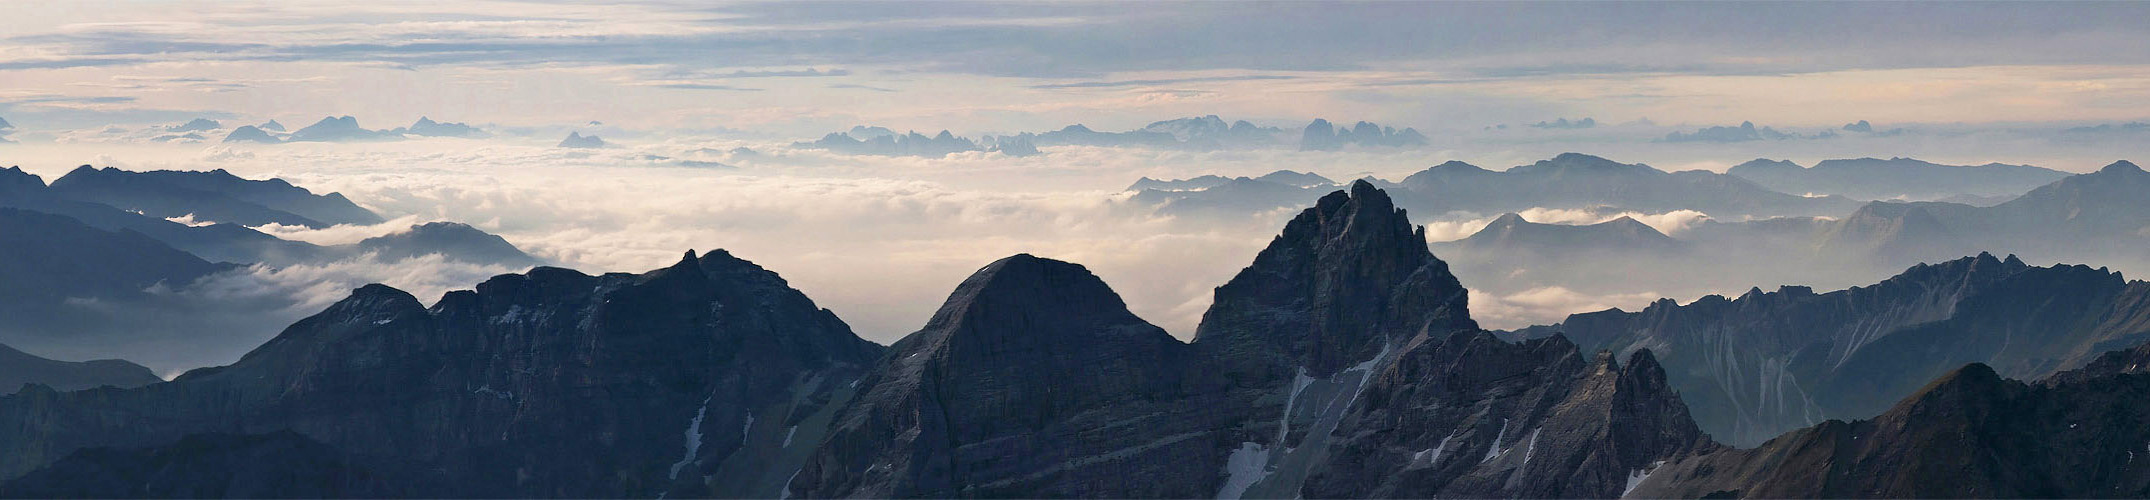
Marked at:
<point>804,67</point>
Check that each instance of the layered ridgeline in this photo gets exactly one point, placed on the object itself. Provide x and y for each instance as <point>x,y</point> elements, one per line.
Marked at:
<point>208,214</point>
<point>1896,178</point>
<point>1570,180</point>
<point>1343,362</point>
<point>18,368</point>
<point>2100,216</point>
<point>1764,363</point>
<point>213,196</point>
<point>551,383</point>
<point>1970,434</point>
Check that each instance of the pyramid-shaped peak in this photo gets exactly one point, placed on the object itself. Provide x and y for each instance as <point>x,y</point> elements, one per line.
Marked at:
<point>2121,167</point>
<point>1344,278</point>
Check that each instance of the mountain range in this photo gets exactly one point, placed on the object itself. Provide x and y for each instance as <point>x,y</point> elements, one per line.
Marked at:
<point>1764,363</point>
<point>1970,433</point>
<point>1570,180</point>
<point>1197,133</point>
<point>18,368</point>
<point>1322,136</point>
<point>213,196</point>
<point>1895,178</point>
<point>346,129</point>
<point>1032,379</point>
<point>1344,361</point>
<point>2102,216</point>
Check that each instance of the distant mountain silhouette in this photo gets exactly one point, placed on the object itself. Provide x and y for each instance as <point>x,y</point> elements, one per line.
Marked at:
<point>340,129</point>
<point>426,127</point>
<point>2087,217</point>
<point>215,195</point>
<point>577,140</point>
<point>1746,131</point>
<point>1280,177</point>
<point>1894,178</point>
<point>1969,433</point>
<point>1321,136</point>
<point>907,144</point>
<point>18,368</point>
<point>1792,357</point>
<point>197,124</point>
<point>1511,233</point>
<point>455,241</point>
<point>250,133</point>
<point>1200,133</point>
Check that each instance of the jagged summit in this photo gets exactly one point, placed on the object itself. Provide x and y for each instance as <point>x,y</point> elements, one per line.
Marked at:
<point>1344,278</point>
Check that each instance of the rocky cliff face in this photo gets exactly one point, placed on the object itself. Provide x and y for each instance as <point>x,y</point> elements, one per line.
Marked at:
<point>552,383</point>
<point>1968,434</point>
<point>1469,415</point>
<point>1768,362</point>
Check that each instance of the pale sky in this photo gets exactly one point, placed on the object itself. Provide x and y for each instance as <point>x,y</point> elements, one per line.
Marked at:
<point>800,69</point>
<point>881,239</point>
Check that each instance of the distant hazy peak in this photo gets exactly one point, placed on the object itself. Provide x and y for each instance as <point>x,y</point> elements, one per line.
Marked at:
<point>577,140</point>
<point>2122,167</point>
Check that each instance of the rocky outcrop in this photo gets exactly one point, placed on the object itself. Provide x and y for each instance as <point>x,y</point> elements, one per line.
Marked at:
<point>551,383</point>
<point>1471,416</point>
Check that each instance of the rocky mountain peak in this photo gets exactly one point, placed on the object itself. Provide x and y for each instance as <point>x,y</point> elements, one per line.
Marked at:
<point>15,182</point>
<point>1345,277</point>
